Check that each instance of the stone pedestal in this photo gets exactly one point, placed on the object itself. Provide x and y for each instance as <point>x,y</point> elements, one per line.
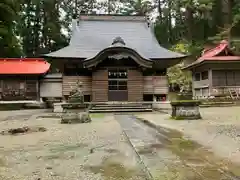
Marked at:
<point>57,107</point>
<point>188,110</point>
<point>74,118</point>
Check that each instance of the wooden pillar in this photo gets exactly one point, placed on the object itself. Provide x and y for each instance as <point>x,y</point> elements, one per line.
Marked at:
<point>210,80</point>
<point>38,90</point>
<point>1,89</point>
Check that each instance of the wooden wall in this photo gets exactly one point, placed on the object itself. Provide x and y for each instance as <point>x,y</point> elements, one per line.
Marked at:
<point>135,85</point>
<point>219,83</point>
<point>12,88</point>
<point>70,82</point>
<point>201,84</point>
<point>225,80</point>
<point>155,85</point>
<point>51,86</point>
<point>226,77</point>
<point>100,85</point>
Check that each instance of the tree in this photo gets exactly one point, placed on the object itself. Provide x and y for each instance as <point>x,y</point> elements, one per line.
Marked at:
<point>177,77</point>
<point>9,43</point>
<point>40,27</point>
<point>137,7</point>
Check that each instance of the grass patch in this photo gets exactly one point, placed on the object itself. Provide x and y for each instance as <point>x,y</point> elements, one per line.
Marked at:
<point>97,115</point>
<point>112,170</point>
<point>53,156</point>
<point>2,162</point>
<point>177,118</point>
<point>185,118</point>
<point>66,148</point>
<point>150,149</point>
<point>112,151</point>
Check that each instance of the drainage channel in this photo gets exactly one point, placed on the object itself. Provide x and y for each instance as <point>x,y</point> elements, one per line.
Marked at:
<point>161,159</point>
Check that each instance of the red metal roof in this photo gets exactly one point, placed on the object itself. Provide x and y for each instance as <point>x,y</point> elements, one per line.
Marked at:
<point>23,66</point>
<point>223,58</point>
<point>214,55</point>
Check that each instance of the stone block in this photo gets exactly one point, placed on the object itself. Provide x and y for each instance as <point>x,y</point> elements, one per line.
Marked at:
<point>186,110</point>
<point>57,107</point>
<point>74,118</point>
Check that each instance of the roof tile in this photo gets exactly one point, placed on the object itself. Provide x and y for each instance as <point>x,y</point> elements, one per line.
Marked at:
<point>91,37</point>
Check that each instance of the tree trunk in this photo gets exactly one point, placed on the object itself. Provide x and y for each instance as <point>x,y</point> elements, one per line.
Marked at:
<point>227,6</point>
<point>160,10</point>
<point>190,19</point>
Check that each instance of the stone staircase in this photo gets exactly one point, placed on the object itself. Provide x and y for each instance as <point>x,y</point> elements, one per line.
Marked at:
<point>121,107</point>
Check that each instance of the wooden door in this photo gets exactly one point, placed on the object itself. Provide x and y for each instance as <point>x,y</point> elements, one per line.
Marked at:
<point>117,85</point>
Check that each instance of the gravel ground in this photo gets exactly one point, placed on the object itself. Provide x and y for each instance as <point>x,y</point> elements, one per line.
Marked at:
<point>219,130</point>
<point>100,150</point>
<point>93,151</point>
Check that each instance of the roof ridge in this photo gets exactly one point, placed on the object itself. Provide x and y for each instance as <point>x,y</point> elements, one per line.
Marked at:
<point>22,59</point>
<point>110,17</point>
<point>214,51</point>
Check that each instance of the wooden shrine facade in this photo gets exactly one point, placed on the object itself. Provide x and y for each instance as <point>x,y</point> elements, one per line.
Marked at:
<point>117,58</point>
<point>114,80</point>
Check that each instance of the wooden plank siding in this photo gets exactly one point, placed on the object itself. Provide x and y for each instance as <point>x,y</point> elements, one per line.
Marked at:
<point>19,89</point>
<point>219,82</point>
<point>148,84</point>
<point>135,85</point>
<point>70,82</point>
<point>100,85</point>
<point>155,85</point>
<point>160,84</point>
<point>225,80</point>
<point>201,84</point>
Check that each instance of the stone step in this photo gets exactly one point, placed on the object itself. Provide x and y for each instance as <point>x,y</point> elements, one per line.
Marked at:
<point>119,110</point>
<point>120,107</point>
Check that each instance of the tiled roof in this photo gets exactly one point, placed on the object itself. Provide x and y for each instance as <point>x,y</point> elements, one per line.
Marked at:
<point>93,34</point>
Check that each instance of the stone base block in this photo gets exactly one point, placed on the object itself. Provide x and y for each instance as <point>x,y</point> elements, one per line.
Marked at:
<point>186,110</point>
<point>57,108</point>
<point>74,118</point>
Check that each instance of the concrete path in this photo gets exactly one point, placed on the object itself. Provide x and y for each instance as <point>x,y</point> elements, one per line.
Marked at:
<point>211,134</point>
<point>166,154</point>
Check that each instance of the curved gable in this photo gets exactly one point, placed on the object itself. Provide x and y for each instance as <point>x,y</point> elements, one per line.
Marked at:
<point>117,52</point>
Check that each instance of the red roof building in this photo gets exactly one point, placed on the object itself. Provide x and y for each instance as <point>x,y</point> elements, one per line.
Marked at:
<point>19,78</point>
<point>216,73</point>
<point>217,54</point>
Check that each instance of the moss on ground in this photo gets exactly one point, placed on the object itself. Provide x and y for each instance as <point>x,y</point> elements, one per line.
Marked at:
<point>112,170</point>
<point>97,115</point>
<point>196,162</point>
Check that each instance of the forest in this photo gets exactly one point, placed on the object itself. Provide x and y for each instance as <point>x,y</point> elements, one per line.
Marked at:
<point>29,28</point>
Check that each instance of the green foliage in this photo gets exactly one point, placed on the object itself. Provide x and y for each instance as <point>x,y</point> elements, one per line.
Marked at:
<point>42,26</point>
<point>175,74</point>
<point>137,7</point>
<point>185,102</point>
<point>9,43</point>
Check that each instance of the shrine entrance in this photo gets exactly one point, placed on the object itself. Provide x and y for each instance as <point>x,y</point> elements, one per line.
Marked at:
<point>117,85</point>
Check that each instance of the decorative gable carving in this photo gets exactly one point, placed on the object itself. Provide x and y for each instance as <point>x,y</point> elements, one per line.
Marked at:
<point>118,40</point>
